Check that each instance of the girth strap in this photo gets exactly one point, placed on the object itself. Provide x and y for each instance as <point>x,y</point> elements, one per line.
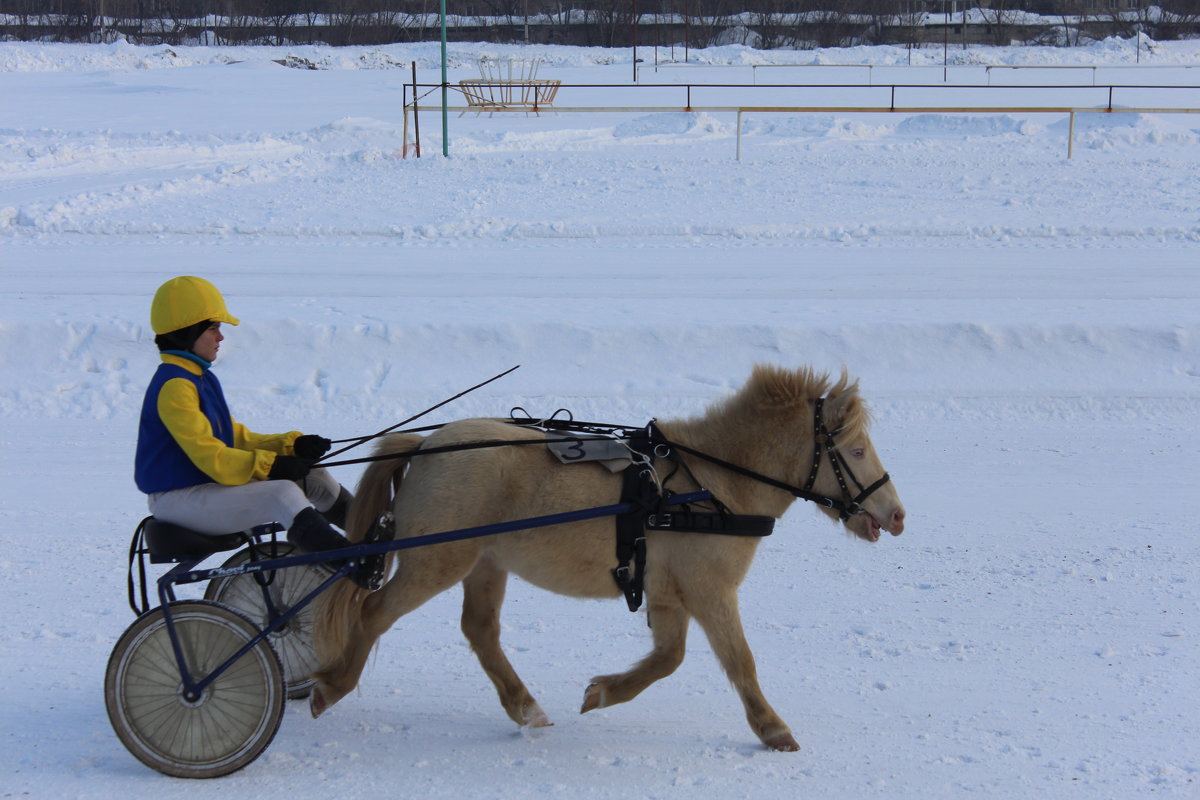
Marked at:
<point>639,490</point>
<point>710,522</point>
<point>649,512</point>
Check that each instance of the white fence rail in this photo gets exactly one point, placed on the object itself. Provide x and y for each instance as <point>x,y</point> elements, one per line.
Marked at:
<point>741,111</point>
<point>923,74</point>
<point>896,98</point>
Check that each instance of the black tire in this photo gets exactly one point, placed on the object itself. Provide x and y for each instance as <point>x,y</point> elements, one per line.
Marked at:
<point>236,717</point>
<point>294,642</point>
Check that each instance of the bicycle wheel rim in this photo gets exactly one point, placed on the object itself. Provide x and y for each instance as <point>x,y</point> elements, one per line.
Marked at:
<point>228,727</point>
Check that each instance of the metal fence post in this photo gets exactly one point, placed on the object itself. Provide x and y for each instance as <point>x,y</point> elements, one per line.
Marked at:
<point>739,134</point>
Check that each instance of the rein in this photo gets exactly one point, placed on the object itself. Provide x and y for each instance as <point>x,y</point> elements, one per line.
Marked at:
<point>824,446</point>
<point>805,493</point>
<point>365,439</point>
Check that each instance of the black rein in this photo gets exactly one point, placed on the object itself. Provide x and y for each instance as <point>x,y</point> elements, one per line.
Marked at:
<point>824,445</point>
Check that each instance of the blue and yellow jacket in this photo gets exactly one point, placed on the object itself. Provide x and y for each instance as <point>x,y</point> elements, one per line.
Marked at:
<point>187,436</point>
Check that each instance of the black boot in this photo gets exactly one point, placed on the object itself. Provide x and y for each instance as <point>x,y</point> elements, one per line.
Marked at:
<point>311,533</point>
<point>336,514</point>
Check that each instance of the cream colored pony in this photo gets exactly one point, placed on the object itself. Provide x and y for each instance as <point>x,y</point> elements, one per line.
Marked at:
<point>766,427</point>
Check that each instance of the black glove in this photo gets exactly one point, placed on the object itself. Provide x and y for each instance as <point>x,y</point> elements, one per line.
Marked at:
<point>289,468</point>
<point>311,446</point>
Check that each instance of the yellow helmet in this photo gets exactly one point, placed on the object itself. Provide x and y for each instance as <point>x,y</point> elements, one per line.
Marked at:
<point>184,301</point>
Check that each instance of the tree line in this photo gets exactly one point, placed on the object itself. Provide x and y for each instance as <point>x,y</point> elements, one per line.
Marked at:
<point>799,24</point>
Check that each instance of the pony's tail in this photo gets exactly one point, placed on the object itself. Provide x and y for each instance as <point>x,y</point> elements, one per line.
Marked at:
<point>339,608</point>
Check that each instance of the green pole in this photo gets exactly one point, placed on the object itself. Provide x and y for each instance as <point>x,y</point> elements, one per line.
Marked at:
<point>445,116</point>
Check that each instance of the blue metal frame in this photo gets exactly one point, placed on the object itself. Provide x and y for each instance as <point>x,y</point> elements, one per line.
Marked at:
<point>186,573</point>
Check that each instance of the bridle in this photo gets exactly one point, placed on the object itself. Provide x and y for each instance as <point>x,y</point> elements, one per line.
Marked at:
<point>824,444</point>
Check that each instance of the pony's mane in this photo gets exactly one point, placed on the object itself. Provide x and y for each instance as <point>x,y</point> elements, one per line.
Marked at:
<point>774,390</point>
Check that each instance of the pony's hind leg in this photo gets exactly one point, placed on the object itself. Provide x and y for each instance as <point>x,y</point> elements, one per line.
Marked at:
<point>422,574</point>
<point>483,595</point>
<point>669,625</point>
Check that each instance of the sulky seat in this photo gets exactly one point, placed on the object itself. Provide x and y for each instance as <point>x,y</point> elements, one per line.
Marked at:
<point>168,542</point>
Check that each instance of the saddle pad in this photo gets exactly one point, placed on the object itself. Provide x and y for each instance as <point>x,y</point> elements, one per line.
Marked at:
<point>612,453</point>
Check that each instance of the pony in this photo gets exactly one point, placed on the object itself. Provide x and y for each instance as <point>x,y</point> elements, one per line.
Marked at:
<point>769,427</point>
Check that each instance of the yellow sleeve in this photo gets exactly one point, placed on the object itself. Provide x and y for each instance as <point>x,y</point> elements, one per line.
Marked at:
<point>179,409</point>
<point>279,443</point>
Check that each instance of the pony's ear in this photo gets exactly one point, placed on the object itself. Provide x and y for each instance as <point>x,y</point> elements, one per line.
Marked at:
<point>843,403</point>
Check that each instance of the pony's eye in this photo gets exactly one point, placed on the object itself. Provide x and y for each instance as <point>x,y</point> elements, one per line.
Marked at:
<point>858,452</point>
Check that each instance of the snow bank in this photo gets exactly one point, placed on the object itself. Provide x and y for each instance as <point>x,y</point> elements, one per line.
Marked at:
<point>371,339</point>
<point>98,369</point>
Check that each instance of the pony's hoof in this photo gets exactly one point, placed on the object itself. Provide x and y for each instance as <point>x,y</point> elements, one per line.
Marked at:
<point>316,703</point>
<point>534,717</point>
<point>783,742</point>
<point>593,698</point>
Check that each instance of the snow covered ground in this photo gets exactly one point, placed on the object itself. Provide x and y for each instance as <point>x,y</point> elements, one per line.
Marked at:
<point>1026,327</point>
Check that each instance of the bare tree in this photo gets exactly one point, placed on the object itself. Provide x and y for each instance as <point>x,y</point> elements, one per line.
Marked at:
<point>1072,13</point>
<point>1178,19</point>
<point>609,23</point>
<point>1001,17</point>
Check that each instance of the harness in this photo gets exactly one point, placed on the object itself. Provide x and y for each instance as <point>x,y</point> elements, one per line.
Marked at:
<point>644,494</point>
<point>647,496</point>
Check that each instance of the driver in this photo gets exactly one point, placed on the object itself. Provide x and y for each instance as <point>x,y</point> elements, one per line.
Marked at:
<point>204,470</point>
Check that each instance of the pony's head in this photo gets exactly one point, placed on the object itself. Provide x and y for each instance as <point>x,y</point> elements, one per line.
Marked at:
<point>792,397</point>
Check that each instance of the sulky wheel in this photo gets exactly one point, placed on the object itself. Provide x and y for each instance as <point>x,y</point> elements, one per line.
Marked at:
<point>294,641</point>
<point>233,720</point>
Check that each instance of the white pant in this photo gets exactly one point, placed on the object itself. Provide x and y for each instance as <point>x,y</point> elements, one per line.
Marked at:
<point>215,509</point>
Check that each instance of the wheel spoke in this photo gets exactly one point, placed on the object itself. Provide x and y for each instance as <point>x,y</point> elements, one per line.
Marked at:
<point>294,642</point>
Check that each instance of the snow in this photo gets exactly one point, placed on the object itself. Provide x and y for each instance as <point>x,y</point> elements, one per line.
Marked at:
<point>1025,326</point>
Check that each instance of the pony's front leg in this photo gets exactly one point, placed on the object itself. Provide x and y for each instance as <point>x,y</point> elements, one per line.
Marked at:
<point>483,594</point>
<point>669,623</point>
<point>718,615</point>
